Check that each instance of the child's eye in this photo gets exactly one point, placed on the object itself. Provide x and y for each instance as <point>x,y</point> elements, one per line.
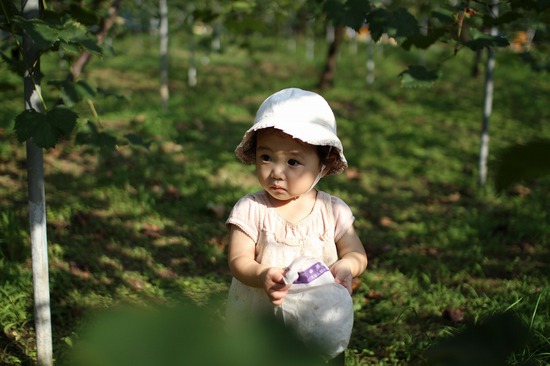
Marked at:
<point>265,157</point>
<point>293,162</point>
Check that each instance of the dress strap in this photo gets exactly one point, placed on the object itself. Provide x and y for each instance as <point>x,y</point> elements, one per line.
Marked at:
<point>327,202</point>
<point>263,200</point>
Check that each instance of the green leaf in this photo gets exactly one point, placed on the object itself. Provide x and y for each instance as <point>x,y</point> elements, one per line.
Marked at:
<point>481,40</point>
<point>418,76</point>
<point>90,44</point>
<point>423,41</point>
<point>378,21</point>
<point>356,13</point>
<point>25,124</point>
<point>74,34</point>
<point>107,93</point>
<point>398,23</point>
<point>72,93</point>
<point>205,15</point>
<point>487,41</point>
<point>84,16</point>
<point>505,18</point>
<point>8,9</point>
<point>54,19</point>
<point>534,62</point>
<point>16,66</point>
<point>45,128</point>
<point>403,24</point>
<point>43,36</point>
<point>443,16</point>
<point>136,140</point>
<point>522,162</point>
<point>70,48</point>
<point>536,5</point>
<point>63,119</point>
<point>6,85</point>
<point>92,136</point>
<point>334,10</point>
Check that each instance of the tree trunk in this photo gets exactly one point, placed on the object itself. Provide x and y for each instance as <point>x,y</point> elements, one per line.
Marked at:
<point>475,65</point>
<point>78,67</point>
<point>370,61</point>
<point>37,202</point>
<point>327,76</point>
<point>487,104</point>
<point>164,92</point>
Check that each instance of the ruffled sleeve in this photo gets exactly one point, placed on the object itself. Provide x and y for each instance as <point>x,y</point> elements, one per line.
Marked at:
<point>246,216</point>
<point>343,217</point>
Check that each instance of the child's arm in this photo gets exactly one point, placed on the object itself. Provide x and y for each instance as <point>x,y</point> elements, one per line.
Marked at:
<point>353,259</point>
<point>245,268</point>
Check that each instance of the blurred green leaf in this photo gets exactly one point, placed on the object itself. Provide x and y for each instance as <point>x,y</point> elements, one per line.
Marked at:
<point>185,334</point>
<point>424,41</point>
<point>70,48</point>
<point>137,140</point>
<point>90,135</point>
<point>397,23</point>
<point>403,24</point>
<point>444,16</point>
<point>83,15</point>
<point>378,21</point>
<point>418,76</point>
<point>535,63</point>
<point>107,93</point>
<point>521,162</point>
<point>73,93</point>
<point>205,15</point>
<point>488,343</point>
<point>15,65</point>
<point>481,40</point>
<point>74,33</point>
<point>8,11</point>
<point>508,17</point>
<point>536,5</point>
<point>352,13</point>
<point>6,85</point>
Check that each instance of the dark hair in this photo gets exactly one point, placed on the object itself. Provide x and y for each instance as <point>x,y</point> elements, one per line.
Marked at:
<point>326,154</point>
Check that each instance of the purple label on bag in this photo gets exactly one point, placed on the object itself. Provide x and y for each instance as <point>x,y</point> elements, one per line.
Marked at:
<point>311,273</point>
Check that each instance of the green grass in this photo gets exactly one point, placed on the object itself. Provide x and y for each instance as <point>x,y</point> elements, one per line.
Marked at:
<point>137,226</point>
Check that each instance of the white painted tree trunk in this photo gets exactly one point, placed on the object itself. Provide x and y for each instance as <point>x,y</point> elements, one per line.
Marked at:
<point>192,69</point>
<point>370,65</point>
<point>37,202</point>
<point>163,28</point>
<point>310,40</point>
<point>487,103</point>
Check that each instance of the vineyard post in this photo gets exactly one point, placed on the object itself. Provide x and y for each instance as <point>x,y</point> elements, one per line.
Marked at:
<point>37,203</point>
<point>487,102</point>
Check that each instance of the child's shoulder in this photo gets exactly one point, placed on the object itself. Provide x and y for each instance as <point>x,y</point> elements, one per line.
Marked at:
<point>252,200</point>
<point>334,201</point>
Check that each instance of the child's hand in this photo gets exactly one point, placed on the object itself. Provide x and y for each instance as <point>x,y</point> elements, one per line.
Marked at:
<point>342,274</point>
<point>274,285</point>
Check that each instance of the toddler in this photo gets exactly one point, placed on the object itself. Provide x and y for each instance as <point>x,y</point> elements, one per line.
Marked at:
<point>293,144</point>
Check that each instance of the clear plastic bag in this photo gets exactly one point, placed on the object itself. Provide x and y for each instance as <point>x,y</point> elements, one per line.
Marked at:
<point>318,309</point>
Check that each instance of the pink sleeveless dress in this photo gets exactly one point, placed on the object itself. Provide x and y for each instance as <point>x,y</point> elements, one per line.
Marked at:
<point>279,242</point>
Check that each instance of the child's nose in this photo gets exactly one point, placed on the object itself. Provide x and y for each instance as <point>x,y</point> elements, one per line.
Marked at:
<point>277,172</point>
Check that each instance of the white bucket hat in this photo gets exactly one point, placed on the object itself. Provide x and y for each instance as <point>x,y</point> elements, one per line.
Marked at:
<point>302,114</point>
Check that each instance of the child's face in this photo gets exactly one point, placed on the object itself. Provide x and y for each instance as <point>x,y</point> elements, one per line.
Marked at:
<point>285,167</point>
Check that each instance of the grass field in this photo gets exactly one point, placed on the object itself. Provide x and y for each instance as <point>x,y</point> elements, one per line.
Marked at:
<point>141,226</point>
